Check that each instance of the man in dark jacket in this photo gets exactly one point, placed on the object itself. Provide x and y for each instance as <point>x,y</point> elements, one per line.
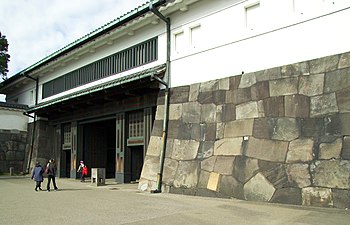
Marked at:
<point>51,174</point>
<point>37,175</point>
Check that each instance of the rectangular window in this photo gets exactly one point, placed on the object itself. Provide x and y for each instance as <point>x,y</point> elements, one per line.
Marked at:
<point>132,57</point>
<point>252,16</point>
<point>135,128</point>
<point>195,36</point>
<point>67,136</point>
<point>180,42</point>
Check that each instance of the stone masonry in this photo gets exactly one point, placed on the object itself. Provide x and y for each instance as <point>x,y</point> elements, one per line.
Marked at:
<point>12,150</point>
<point>278,135</point>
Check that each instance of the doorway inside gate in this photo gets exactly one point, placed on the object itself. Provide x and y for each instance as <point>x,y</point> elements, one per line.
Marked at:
<point>133,163</point>
<point>99,145</point>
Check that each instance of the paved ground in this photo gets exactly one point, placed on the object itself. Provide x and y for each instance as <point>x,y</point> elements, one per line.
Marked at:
<point>80,203</point>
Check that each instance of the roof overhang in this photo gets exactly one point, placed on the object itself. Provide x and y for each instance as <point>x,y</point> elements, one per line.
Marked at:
<point>119,87</point>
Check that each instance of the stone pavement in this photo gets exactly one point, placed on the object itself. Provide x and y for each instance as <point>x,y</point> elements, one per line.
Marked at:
<point>81,203</point>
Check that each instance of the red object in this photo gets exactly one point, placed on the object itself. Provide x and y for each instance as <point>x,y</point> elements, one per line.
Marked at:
<point>85,170</point>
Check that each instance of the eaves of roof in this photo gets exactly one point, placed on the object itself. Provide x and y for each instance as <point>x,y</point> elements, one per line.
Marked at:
<point>13,106</point>
<point>143,9</point>
<point>119,81</point>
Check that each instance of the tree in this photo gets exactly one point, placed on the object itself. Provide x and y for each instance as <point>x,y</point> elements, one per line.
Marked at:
<point>4,57</point>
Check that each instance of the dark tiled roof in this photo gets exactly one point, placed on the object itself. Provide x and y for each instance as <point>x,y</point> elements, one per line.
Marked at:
<point>13,105</point>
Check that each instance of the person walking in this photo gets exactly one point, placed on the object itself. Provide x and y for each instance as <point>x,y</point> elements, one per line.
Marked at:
<point>51,174</point>
<point>83,171</point>
<point>37,175</point>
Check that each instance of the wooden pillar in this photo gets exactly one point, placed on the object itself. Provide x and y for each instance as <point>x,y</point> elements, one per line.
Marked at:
<point>120,147</point>
<point>57,147</point>
<point>73,166</point>
<point>148,117</point>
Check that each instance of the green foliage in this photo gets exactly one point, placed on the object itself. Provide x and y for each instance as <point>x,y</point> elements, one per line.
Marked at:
<point>4,56</point>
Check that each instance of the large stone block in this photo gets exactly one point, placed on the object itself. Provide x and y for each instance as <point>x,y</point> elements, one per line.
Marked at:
<point>213,182</point>
<point>179,94</point>
<point>224,84</point>
<point>275,173</point>
<point>227,113</point>
<point>344,60</point>
<point>334,125</point>
<point>160,112</point>
<point>191,112</point>
<point>286,129</point>
<point>19,155</point>
<point>323,105</point>
<point>258,188</point>
<point>209,86</point>
<point>313,127</point>
<point>300,150</point>
<point>206,149</point>
<point>229,186</point>
<point>299,175</point>
<point>345,123</point>
<point>208,113</point>
<point>228,146</point>
<point>272,73</point>
<point>331,150</point>
<point>220,128</point>
<point>311,85</point>
<point>331,174</point>
<point>260,91</point>
<point>316,196</point>
<point>154,146</point>
<point>175,111</point>
<point>169,172</point>
<point>234,82</point>
<point>224,165</point>
<point>186,174</point>
<point>238,96</point>
<point>10,155</point>
<point>263,128</point>
<point>203,179</point>
<point>207,131</point>
<point>179,130</point>
<point>185,149</point>
<point>274,106</point>
<point>248,110</point>
<point>345,154</point>
<point>287,195</point>
<point>150,168</point>
<point>194,92</point>
<point>239,128</point>
<point>343,100</point>
<point>247,80</point>
<point>262,75</point>
<point>341,198</point>
<point>208,164</point>
<point>286,86</point>
<point>325,64</point>
<point>245,168</point>
<point>268,150</point>
<point>337,80</point>
<point>297,106</point>
<point>295,69</point>
<point>206,97</point>
<point>169,147</point>
<point>196,131</point>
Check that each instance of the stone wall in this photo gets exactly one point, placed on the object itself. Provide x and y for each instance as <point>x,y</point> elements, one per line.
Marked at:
<point>12,150</point>
<point>278,135</point>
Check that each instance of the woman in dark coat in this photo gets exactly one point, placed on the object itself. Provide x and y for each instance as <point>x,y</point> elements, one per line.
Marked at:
<point>51,174</point>
<point>37,175</point>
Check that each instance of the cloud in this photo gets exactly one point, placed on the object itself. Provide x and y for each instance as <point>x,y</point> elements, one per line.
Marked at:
<point>38,28</point>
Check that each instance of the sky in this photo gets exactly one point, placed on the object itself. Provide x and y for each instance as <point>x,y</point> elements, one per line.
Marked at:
<point>35,29</point>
